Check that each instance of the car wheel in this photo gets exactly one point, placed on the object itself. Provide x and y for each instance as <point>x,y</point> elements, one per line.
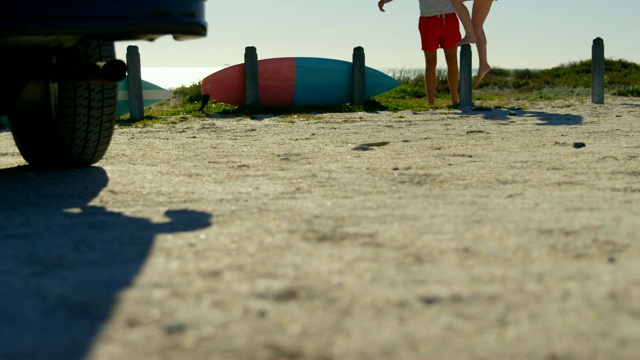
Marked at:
<point>64,123</point>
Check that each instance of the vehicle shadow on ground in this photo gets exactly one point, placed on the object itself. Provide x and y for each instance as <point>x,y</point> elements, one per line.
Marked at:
<point>63,262</point>
<point>545,118</point>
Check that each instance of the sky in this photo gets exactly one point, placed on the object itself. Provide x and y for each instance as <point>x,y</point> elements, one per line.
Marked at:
<point>532,34</point>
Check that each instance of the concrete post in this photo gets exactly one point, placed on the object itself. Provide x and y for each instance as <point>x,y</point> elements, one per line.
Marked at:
<point>251,76</point>
<point>597,71</point>
<point>358,69</point>
<point>465,76</point>
<point>136,106</point>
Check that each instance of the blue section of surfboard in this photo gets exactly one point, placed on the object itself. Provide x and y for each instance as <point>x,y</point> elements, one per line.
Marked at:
<point>322,81</point>
<point>151,94</point>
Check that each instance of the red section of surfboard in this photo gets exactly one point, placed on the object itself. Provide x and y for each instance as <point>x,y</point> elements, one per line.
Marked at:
<point>226,86</point>
<point>276,83</point>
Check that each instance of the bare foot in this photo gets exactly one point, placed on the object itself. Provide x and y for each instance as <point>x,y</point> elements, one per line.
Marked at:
<point>484,70</point>
<point>467,40</point>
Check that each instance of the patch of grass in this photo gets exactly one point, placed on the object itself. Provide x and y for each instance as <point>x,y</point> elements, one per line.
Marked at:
<point>185,104</point>
<point>633,91</point>
<point>190,94</point>
<point>147,120</point>
<point>618,74</point>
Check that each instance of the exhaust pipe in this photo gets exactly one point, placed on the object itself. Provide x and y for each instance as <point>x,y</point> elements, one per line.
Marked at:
<point>112,71</point>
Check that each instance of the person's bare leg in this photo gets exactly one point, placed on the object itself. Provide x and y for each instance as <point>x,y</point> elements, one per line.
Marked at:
<point>465,19</point>
<point>451,55</point>
<point>431,61</point>
<point>481,10</point>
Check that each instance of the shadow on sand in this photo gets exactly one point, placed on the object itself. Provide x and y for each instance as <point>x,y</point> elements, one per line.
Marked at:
<point>63,262</point>
<point>545,119</point>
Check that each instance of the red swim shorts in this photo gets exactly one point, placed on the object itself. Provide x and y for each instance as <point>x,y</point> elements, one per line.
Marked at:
<point>440,31</point>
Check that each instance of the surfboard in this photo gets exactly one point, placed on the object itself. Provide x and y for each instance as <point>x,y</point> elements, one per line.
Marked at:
<point>151,94</point>
<point>295,81</point>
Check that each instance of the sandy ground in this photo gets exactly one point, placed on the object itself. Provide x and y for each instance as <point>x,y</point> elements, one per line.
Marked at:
<point>433,235</point>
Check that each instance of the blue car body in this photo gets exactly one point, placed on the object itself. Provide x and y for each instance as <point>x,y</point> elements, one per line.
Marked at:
<point>65,23</point>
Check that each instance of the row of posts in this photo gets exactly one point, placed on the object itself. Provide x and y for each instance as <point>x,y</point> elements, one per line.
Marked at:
<point>465,88</point>
<point>597,74</point>
<point>358,84</point>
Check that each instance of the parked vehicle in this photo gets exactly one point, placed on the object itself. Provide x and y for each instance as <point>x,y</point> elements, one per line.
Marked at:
<point>58,89</point>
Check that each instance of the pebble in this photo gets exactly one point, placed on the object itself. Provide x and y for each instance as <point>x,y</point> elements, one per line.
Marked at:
<point>175,328</point>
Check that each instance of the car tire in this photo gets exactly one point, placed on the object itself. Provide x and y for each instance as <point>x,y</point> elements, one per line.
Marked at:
<point>58,124</point>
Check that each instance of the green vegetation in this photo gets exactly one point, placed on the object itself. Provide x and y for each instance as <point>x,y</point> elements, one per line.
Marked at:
<point>184,105</point>
<point>501,88</point>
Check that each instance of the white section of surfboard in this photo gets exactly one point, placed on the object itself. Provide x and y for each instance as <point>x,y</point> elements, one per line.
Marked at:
<point>151,94</point>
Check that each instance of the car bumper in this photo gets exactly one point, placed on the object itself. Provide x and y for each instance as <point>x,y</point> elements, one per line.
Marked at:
<point>64,23</point>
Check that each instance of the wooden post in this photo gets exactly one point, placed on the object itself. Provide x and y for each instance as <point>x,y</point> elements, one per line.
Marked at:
<point>358,69</point>
<point>597,71</point>
<point>136,107</point>
<point>465,76</point>
<point>251,76</point>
